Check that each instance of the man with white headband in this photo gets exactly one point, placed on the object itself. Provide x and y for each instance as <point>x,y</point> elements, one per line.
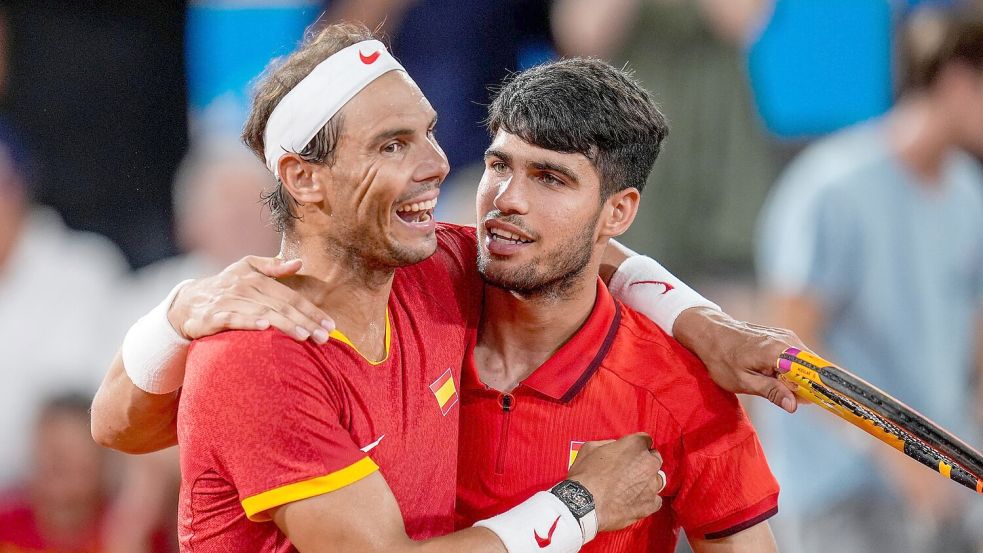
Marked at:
<point>278,426</point>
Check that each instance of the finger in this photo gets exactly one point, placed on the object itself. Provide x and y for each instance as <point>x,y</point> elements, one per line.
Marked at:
<point>273,266</point>
<point>288,302</point>
<point>772,389</point>
<point>263,316</point>
<point>299,319</point>
<point>641,438</point>
<point>289,327</point>
<point>587,447</point>
<point>663,480</point>
<point>591,446</point>
<point>658,455</point>
<point>220,321</point>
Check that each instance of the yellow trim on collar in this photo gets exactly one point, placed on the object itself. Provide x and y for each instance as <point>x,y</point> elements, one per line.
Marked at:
<point>338,335</point>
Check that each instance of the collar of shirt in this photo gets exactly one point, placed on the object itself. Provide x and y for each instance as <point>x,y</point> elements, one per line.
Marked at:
<point>564,374</point>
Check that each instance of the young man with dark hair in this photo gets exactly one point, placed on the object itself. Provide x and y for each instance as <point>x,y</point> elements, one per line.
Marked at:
<point>558,361</point>
<point>357,220</point>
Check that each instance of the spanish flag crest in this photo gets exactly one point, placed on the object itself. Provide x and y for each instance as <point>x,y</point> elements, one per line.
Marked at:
<point>445,391</point>
<point>574,450</point>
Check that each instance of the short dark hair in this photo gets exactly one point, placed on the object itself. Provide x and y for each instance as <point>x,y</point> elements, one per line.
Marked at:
<point>280,77</point>
<point>933,38</point>
<point>585,106</point>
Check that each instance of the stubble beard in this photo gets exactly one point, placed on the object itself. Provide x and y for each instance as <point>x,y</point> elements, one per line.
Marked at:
<point>551,276</point>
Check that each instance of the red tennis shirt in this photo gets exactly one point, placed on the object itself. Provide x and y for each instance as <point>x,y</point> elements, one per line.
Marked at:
<point>617,375</point>
<point>265,420</point>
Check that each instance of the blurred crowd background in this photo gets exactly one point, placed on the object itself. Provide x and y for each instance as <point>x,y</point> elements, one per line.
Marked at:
<point>822,173</point>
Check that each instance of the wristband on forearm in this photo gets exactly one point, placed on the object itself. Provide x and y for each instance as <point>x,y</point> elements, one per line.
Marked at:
<point>153,352</point>
<point>544,523</point>
<point>647,287</point>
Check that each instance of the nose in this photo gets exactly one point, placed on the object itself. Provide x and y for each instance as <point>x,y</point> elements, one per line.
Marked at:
<point>434,165</point>
<point>509,197</point>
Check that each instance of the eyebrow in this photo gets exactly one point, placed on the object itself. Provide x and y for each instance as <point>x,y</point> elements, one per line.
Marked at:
<point>492,152</point>
<point>389,134</point>
<point>393,133</point>
<point>561,169</point>
<point>537,165</point>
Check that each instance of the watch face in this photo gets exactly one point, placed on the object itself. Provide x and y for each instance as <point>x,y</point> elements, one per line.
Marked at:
<point>575,496</point>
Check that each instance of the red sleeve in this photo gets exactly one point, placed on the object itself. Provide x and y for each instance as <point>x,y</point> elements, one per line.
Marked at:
<point>262,411</point>
<point>728,492</point>
<point>725,483</point>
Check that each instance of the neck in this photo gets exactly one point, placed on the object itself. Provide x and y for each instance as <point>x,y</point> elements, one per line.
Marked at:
<point>921,136</point>
<point>518,333</point>
<point>347,287</point>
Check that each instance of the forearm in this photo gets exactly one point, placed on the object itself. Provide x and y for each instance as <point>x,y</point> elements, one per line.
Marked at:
<point>364,517</point>
<point>474,540</point>
<point>740,356</point>
<point>478,540</point>
<point>128,419</point>
<point>693,327</point>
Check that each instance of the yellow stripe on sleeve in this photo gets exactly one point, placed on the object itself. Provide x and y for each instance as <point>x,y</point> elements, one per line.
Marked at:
<point>257,505</point>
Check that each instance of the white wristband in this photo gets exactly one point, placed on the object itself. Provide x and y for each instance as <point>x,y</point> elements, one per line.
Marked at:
<point>153,352</point>
<point>541,523</point>
<point>647,287</point>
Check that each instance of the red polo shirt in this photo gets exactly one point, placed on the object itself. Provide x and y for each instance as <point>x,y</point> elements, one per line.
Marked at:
<point>265,420</point>
<point>617,375</point>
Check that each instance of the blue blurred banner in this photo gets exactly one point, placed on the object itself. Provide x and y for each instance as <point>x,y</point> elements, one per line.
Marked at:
<point>229,43</point>
<point>820,65</point>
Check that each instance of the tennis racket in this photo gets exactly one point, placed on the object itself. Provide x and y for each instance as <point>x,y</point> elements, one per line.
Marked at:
<point>858,402</point>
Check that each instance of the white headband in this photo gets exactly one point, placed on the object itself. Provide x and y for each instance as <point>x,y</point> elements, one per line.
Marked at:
<point>318,96</point>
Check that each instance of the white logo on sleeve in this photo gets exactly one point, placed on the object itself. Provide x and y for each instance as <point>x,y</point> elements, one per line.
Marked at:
<point>371,446</point>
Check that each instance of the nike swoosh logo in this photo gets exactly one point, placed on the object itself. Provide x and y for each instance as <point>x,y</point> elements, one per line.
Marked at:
<point>371,446</point>
<point>545,542</point>
<point>666,285</point>
<point>369,59</point>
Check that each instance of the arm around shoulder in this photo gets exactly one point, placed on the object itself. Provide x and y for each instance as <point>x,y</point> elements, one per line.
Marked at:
<point>130,420</point>
<point>135,407</point>
<point>364,517</point>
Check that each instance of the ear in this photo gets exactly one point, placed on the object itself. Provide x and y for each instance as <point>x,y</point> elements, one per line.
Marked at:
<point>619,212</point>
<point>298,177</point>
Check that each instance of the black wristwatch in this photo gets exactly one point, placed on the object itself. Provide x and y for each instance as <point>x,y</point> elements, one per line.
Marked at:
<point>581,504</point>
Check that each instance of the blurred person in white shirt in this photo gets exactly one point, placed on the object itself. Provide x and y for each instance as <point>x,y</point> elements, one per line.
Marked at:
<point>57,313</point>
